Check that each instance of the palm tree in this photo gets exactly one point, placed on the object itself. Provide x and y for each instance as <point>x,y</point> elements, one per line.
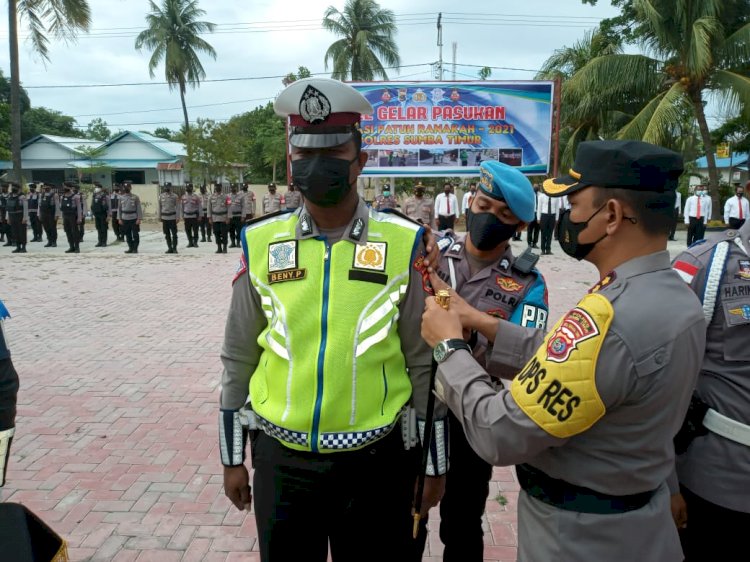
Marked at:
<point>582,117</point>
<point>694,49</point>
<point>62,19</point>
<point>367,37</point>
<point>173,34</point>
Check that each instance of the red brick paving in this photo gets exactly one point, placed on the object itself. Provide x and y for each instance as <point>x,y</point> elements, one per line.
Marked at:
<point>116,440</point>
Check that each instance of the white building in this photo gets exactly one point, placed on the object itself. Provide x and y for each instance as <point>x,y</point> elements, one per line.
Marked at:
<point>731,170</point>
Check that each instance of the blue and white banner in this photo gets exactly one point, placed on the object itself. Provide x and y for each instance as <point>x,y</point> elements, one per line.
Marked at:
<point>448,128</point>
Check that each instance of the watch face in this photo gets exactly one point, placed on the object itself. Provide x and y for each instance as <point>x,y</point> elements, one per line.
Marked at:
<point>441,351</point>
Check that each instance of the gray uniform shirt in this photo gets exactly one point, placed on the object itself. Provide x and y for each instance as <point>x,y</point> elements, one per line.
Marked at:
<point>716,468</point>
<point>191,205</point>
<point>129,207</point>
<point>218,207</point>
<point>644,375</point>
<point>204,203</point>
<point>420,209</point>
<point>237,205</point>
<point>169,207</point>
<point>241,353</point>
<point>271,203</point>
<point>292,199</point>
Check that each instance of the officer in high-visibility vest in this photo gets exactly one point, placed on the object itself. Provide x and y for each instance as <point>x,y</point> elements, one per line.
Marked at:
<point>322,347</point>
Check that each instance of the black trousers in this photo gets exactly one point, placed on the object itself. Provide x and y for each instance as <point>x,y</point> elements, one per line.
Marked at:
<point>7,230</point>
<point>304,500</point>
<point>695,231</point>
<point>713,532</point>
<point>169,228</point>
<point>50,227</point>
<point>131,231</point>
<point>220,232</point>
<point>444,223</point>
<point>191,230</point>
<point>532,234</point>
<point>101,228</point>
<point>36,225</point>
<point>70,225</point>
<point>673,229</point>
<point>17,228</point>
<point>235,228</point>
<point>82,229</point>
<point>116,226</point>
<point>205,229</point>
<point>736,224</point>
<point>547,227</point>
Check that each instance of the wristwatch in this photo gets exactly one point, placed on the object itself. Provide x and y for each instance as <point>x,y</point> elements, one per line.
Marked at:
<point>446,348</point>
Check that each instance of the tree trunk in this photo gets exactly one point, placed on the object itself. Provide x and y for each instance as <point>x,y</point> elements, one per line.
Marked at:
<point>15,93</point>
<point>713,174</point>
<point>274,170</point>
<point>188,135</point>
<point>184,107</point>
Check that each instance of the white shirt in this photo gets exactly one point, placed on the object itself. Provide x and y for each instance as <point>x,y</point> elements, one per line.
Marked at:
<point>691,208</point>
<point>732,208</point>
<point>465,201</point>
<point>546,203</point>
<point>442,203</point>
<point>678,201</point>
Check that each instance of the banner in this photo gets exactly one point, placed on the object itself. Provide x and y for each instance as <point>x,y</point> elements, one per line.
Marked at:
<point>423,129</point>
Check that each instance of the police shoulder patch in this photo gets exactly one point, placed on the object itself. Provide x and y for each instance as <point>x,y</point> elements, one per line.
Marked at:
<point>557,388</point>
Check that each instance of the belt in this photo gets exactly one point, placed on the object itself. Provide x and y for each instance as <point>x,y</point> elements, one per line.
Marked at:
<point>168,214</point>
<point>218,213</point>
<point>567,496</point>
<point>190,214</point>
<point>727,427</point>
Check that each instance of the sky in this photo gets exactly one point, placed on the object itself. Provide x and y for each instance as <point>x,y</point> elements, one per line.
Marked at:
<point>266,39</point>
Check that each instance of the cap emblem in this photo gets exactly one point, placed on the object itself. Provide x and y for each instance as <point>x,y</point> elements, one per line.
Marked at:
<point>314,106</point>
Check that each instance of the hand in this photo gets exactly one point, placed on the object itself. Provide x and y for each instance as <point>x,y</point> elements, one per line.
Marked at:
<point>120,221</point>
<point>433,253</point>
<point>78,222</point>
<point>679,510</point>
<point>439,324</point>
<point>237,486</point>
<point>138,221</point>
<point>23,223</point>
<point>466,313</point>
<point>434,489</point>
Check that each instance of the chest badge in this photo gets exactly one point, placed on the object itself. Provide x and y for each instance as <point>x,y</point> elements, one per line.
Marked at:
<point>371,256</point>
<point>508,284</point>
<point>743,311</point>
<point>744,270</point>
<point>282,255</point>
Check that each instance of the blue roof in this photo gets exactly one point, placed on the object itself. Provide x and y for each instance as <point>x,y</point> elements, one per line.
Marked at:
<point>738,158</point>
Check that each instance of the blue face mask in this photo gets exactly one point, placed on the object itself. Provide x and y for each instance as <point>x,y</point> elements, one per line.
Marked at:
<point>386,193</point>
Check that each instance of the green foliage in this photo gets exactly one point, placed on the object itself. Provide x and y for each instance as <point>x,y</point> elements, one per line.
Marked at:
<point>97,129</point>
<point>40,120</point>
<point>484,73</point>
<point>302,72</point>
<point>164,133</point>
<point>263,137</point>
<point>5,94</point>
<point>62,19</point>
<point>501,499</point>
<point>5,153</point>
<point>213,148</point>
<point>736,132</point>
<point>367,36</point>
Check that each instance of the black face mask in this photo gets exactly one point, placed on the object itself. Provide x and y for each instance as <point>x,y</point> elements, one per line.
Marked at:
<point>487,231</point>
<point>322,180</point>
<point>568,231</point>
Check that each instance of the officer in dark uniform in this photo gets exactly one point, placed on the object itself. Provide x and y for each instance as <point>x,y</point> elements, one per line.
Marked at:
<point>114,201</point>
<point>100,210</point>
<point>49,213</point>
<point>33,201</point>
<point>589,420</point>
<point>17,209</point>
<point>713,467</point>
<point>8,395</point>
<point>191,211</point>
<point>72,213</point>
<point>4,226</point>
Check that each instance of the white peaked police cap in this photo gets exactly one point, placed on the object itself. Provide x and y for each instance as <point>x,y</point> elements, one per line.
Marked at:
<point>322,112</point>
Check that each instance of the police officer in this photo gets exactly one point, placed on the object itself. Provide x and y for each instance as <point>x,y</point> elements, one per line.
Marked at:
<point>714,467</point>
<point>100,210</point>
<point>272,201</point>
<point>72,214</point>
<point>129,215</point>
<point>329,432</point>
<point>250,202</point>
<point>33,201</point>
<point>385,200</point>
<point>84,210</point>
<point>169,215</point>
<point>218,217</point>
<point>237,213</point>
<point>17,209</point>
<point>292,198</point>
<point>4,226</point>
<point>204,222</point>
<point>696,214</point>
<point>191,210</point>
<point>420,207</point>
<point>532,232</point>
<point>491,284</point>
<point>49,213</point>
<point>114,201</point>
<point>8,396</point>
<point>589,420</point>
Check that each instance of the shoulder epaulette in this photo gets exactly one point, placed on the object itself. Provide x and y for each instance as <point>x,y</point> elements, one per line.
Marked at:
<point>402,215</point>
<point>259,220</point>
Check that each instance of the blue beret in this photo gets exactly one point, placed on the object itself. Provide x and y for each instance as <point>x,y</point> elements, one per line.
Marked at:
<point>504,182</point>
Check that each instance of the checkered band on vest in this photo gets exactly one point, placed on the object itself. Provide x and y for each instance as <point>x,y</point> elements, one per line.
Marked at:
<point>353,440</point>
<point>283,434</point>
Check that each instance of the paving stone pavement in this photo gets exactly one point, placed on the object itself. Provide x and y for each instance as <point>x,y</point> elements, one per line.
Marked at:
<point>116,440</point>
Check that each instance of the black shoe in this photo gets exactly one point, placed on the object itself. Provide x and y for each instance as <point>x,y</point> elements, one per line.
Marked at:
<point>204,239</point>
<point>220,251</point>
<point>8,243</point>
<point>168,251</point>
<point>225,248</point>
<point>48,245</point>
<point>54,244</point>
<point>22,250</point>
<point>70,251</point>
<point>97,245</point>
<point>16,251</point>
<point>77,250</point>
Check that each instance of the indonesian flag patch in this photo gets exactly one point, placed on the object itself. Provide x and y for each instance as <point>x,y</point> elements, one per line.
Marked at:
<point>685,270</point>
<point>241,269</point>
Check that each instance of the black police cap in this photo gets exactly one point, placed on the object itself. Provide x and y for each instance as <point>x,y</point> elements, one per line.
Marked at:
<point>622,164</point>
